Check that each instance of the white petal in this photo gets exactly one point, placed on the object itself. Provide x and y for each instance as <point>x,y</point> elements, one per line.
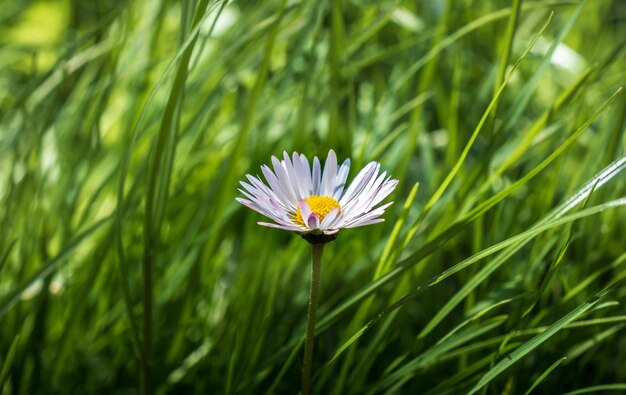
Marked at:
<point>359,182</point>
<point>283,177</point>
<point>364,223</point>
<point>348,221</point>
<point>342,176</point>
<point>363,201</point>
<point>329,218</point>
<point>278,226</point>
<point>330,175</point>
<point>316,177</point>
<point>293,176</point>
<point>277,186</point>
<point>299,177</point>
<point>338,219</point>
<point>307,172</point>
<point>371,186</point>
<point>383,191</point>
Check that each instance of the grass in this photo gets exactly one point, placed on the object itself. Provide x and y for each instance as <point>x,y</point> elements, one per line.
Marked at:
<point>126,265</point>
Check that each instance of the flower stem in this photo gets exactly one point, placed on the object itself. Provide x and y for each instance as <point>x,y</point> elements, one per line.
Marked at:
<point>316,266</point>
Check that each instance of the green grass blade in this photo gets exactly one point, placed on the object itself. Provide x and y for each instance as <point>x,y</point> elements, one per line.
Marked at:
<point>524,96</point>
<point>455,169</point>
<point>596,388</point>
<point>545,374</point>
<point>538,340</point>
<point>8,360</point>
<point>6,254</point>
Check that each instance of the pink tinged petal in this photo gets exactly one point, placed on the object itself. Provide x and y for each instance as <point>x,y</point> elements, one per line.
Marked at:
<point>331,231</point>
<point>283,178</point>
<point>329,218</point>
<point>268,193</point>
<point>261,209</point>
<point>342,176</point>
<point>252,206</point>
<point>250,189</point>
<point>313,221</point>
<point>256,181</point>
<point>248,195</point>
<point>278,226</point>
<point>259,185</point>
<point>243,201</point>
<point>271,205</point>
<point>255,192</point>
<point>329,178</point>
<point>270,209</point>
<point>316,177</point>
<point>274,204</point>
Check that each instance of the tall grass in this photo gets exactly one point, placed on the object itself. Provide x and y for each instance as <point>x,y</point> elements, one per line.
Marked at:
<point>126,265</point>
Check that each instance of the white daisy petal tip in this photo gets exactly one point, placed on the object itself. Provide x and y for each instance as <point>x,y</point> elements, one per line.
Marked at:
<point>314,200</point>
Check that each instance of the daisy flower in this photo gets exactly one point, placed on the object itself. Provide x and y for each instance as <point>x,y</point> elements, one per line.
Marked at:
<point>313,201</point>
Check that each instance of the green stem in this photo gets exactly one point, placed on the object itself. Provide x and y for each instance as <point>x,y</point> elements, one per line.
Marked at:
<point>316,266</point>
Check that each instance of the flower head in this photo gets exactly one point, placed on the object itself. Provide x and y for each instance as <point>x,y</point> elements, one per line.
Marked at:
<point>314,202</point>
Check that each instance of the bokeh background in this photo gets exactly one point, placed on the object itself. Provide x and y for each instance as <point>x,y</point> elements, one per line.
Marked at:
<point>126,126</point>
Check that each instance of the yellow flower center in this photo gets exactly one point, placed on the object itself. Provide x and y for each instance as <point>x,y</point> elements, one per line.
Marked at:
<point>320,205</point>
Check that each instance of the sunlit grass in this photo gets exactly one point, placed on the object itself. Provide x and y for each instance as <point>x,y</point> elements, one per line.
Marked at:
<point>124,131</point>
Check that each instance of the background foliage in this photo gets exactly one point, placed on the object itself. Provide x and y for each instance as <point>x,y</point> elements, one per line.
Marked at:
<point>125,127</point>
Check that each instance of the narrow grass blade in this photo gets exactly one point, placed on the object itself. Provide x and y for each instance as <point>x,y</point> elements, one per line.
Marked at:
<point>594,341</point>
<point>406,371</point>
<point>523,97</point>
<point>6,254</point>
<point>538,340</point>
<point>597,388</point>
<point>444,185</point>
<point>521,238</point>
<point>8,360</point>
<point>544,375</point>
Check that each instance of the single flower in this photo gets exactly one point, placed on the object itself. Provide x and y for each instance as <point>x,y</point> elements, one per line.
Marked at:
<point>314,201</point>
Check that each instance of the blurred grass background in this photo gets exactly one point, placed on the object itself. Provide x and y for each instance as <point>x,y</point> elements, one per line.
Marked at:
<point>125,127</point>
